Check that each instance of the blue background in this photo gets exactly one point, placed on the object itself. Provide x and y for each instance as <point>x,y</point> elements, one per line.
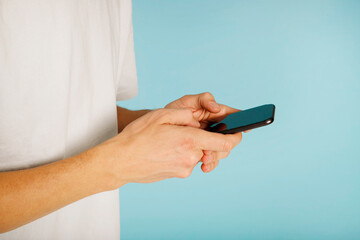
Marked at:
<point>298,178</point>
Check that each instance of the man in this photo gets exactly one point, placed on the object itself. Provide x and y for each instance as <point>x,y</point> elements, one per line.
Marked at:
<point>65,147</point>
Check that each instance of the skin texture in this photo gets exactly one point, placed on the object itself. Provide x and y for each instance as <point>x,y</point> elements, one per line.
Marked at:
<point>172,144</point>
<point>207,111</point>
<point>29,194</point>
<point>152,146</point>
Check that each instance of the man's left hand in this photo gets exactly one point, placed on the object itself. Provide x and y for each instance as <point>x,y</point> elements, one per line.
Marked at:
<point>207,111</point>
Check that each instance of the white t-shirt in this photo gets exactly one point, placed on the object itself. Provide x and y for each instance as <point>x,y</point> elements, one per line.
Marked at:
<point>63,66</point>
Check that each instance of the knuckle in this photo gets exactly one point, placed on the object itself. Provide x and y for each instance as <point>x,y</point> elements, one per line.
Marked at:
<point>189,161</point>
<point>185,162</point>
<point>192,159</point>
<point>227,146</point>
<point>207,95</point>
<point>184,174</point>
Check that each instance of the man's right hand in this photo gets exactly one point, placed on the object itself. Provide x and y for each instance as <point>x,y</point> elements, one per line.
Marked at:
<point>162,144</point>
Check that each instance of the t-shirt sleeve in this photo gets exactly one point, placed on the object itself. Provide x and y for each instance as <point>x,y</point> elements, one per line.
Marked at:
<point>127,84</point>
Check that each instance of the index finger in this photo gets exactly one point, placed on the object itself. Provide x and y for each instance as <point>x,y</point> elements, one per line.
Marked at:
<point>216,141</point>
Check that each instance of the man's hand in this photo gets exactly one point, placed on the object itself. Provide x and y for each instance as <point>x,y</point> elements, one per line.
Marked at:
<point>207,111</point>
<point>164,143</point>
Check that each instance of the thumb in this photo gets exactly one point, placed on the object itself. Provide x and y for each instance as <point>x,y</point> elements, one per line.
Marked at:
<point>181,117</point>
<point>207,101</point>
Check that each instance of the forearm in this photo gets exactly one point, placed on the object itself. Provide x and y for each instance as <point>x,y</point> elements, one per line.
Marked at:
<point>27,195</point>
<point>126,116</point>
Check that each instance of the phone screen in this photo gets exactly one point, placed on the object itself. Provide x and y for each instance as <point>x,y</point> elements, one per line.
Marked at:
<point>245,120</point>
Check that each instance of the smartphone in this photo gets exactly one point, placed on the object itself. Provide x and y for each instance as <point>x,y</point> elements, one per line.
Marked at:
<point>245,120</point>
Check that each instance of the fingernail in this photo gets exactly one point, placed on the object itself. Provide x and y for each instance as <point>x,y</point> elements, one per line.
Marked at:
<point>214,105</point>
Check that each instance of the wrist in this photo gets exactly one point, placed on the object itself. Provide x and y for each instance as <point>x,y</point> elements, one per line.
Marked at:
<point>126,116</point>
<point>99,160</point>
